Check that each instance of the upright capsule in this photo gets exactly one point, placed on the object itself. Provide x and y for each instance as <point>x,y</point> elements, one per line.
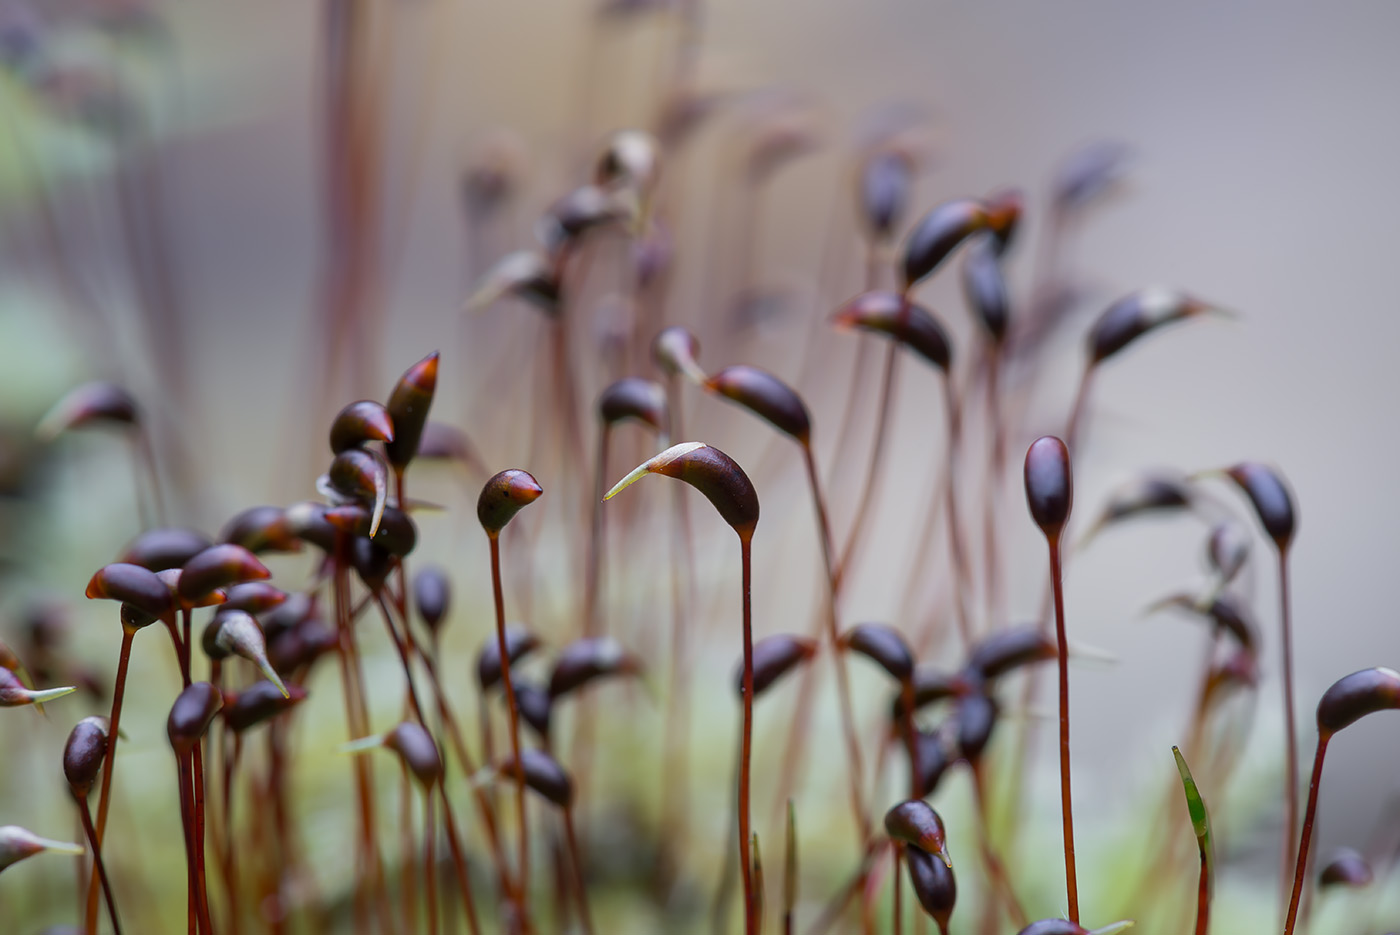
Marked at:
<point>933,884</point>
<point>984,288</point>
<point>407,408</point>
<point>83,754</point>
<point>886,179</point>
<point>191,714</point>
<point>432,596</point>
<point>1049,486</point>
<point>504,495</point>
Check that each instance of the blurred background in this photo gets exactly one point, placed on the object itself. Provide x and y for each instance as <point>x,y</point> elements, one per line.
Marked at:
<point>181,213</point>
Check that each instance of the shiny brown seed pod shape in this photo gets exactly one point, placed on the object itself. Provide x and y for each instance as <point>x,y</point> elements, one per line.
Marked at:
<point>938,234</point>
<point>1354,696</point>
<point>984,288</point>
<point>525,275</point>
<point>17,843</point>
<point>714,474</point>
<point>544,775</point>
<point>1225,612</point>
<point>191,715</point>
<point>159,549</point>
<point>259,703</point>
<point>765,396</point>
<point>217,567</point>
<point>261,529</point>
<point>934,759</point>
<point>535,705</point>
<point>432,595</point>
<point>397,533</point>
<point>886,179</point>
<point>585,660</point>
<point>504,495</point>
<point>131,584</point>
<point>915,822</point>
<point>930,685</point>
<point>520,642</point>
<point>976,719</point>
<point>634,398</point>
<point>890,314</point>
<point>1011,649</point>
<point>171,578</point>
<point>774,657</point>
<point>291,612</point>
<point>307,520</point>
<point>1049,485</point>
<point>1346,867</point>
<point>1146,494</point>
<point>87,405</point>
<point>372,563</point>
<point>254,597</point>
<point>408,405</point>
<point>239,634</point>
<point>83,754</point>
<point>1135,315</point>
<point>411,742</point>
<point>443,442</point>
<point>1005,209</point>
<point>933,884</point>
<point>1089,173</point>
<point>1268,493</point>
<point>677,352</point>
<point>359,476</point>
<point>293,649</point>
<point>1227,549</point>
<point>884,645</point>
<point>360,423</point>
<point>134,618</point>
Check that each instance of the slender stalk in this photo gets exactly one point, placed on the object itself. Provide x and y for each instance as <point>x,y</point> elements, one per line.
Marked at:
<point>991,555</point>
<point>580,890</point>
<point>1203,893</point>
<point>459,862</point>
<point>916,779</point>
<point>1300,870</point>
<point>996,870</point>
<point>104,801</point>
<point>408,890</point>
<point>898,927</point>
<point>877,455</point>
<point>955,540</point>
<point>523,877</point>
<point>200,879</point>
<point>1066,805</point>
<point>1080,407</point>
<point>593,572</point>
<point>1290,785</point>
<point>85,814</point>
<point>183,768</point>
<point>430,861</point>
<point>750,918</point>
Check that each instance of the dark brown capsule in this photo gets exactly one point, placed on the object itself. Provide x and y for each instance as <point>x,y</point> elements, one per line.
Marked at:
<point>360,423</point>
<point>1004,211</point>
<point>774,657</point>
<point>90,404</point>
<point>930,685</point>
<point>443,442</point>
<point>933,884</point>
<point>411,742</point>
<point>634,398</point>
<point>766,397</point>
<point>915,822</point>
<point>1010,649</point>
<point>84,753</point>
<point>934,759</point>
<point>938,235</point>
<point>585,660</point>
<point>171,577</point>
<point>520,642</point>
<point>1135,315</point>
<point>984,287</point>
<point>1225,612</point>
<point>307,520</point>
<point>217,567</point>
<point>190,716</point>
<point>890,314</point>
<point>677,352</point>
<point>886,179</point>
<point>432,595</point>
<point>293,649</point>
<point>535,705</point>
<point>159,549</point>
<point>1049,485</point>
<point>131,584</point>
<point>1227,550</point>
<point>396,536</point>
<point>504,495</point>
<point>713,473</point>
<point>134,618</point>
<point>544,775</point>
<point>409,402</point>
<point>586,208</point>
<point>259,703</point>
<point>237,633</point>
<point>358,476</point>
<point>525,275</point>
<point>261,529</point>
<point>1147,494</point>
<point>254,597</point>
<point>884,645</point>
<point>1268,492</point>
<point>1087,174</point>
<point>1357,695</point>
<point>976,718</point>
<point>1346,867</point>
<point>372,563</point>
<point>291,612</point>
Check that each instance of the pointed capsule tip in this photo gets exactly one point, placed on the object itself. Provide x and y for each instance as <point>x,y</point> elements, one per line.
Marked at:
<point>361,745</point>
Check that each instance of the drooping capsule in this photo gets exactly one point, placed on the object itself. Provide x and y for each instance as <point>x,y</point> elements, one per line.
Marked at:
<point>1049,485</point>
<point>254,597</point>
<point>237,633</point>
<point>1354,696</point>
<point>1151,493</point>
<point>16,844</point>
<point>1268,492</point>
<point>535,704</point>
<point>218,567</point>
<point>159,549</point>
<point>1004,211</point>
<point>520,642</point>
<point>677,352</point>
<point>131,584</point>
<point>356,476</point>
<point>585,660</point>
<point>577,213</point>
<point>408,405</point>
<point>976,716</point>
<point>1346,867</point>
<point>710,471</point>
<point>1224,611</point>
<point>1227,550</point>
<point>83,754</point>
<point>886,179</point>
<point>634,398</point>
<point>765,396</point>
<point>415,746</point>
<point>524,274</point>
<point>938,234</point>
<point>358,424</point>
<point>1135,315</point>
<point>984,288</point>
<point>1088,174</point>
<point>259,703</point>
<point>1011,649</point>
<point>301,646</point>
<point>97,403</point>
<point>884,645</point>
<point>933,883</point>
<point>191,714</point>
<point>934,759</point>
<point>890,314</point>
<point>432,595</point>
<point>504,495</point>
<point>774,657</point>
<point>543,774</point>
<point>14,694</point>
<point>261,529</point>
<point>915,822</point>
